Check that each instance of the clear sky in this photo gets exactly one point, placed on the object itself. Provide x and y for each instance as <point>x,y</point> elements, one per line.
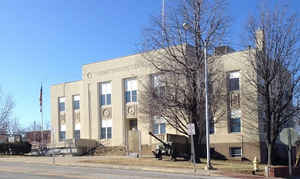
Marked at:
<point>47,41</point>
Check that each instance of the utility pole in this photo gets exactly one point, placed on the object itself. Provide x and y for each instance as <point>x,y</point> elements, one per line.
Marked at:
<point>208,164</point>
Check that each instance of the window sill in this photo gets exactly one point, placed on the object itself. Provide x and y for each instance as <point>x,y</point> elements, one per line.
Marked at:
<point>108,139</point>
<point>235,132</point>
<point>131,103</point>
<point>105,106</point>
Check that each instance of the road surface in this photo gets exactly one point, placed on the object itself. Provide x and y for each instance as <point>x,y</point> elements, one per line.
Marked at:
<point>19,170</point>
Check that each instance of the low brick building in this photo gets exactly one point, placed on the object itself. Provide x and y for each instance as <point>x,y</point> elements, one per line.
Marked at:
<point>35,137</point>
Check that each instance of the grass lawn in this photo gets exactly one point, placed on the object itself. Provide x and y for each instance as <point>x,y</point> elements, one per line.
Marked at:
<point>244,167</point>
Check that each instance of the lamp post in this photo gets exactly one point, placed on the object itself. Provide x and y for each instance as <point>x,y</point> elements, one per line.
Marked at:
<point>186,27</point>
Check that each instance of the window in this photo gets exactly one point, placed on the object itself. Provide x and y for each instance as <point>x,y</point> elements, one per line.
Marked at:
<point>235,125</point>
<point>106,132</point>
<point>105,91</point>
<point>106,129</point>
<point>62,135</point>
<point>76,102</point>
<point>235,152</point>
<point>159,126</point>
<point>158,85</point>
<point>62,132</point>
<point>133,124</point>
<point>235,121</point>
<point>212,127</point>
<point>77,131</point>
<point>234,81</point>
<point>130,90</point>
<point>61,104</point>
<point>76,134</point>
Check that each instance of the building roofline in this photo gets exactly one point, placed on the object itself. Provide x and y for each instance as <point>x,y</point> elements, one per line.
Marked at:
<point>75,81</point>
<point>111,59</point>
<point>120,57</point>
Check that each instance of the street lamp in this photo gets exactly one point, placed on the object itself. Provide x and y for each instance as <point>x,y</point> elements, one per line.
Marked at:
<point>186,27</point>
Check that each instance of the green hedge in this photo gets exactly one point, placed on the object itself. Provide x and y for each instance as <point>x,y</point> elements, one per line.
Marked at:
<point>15,148</point>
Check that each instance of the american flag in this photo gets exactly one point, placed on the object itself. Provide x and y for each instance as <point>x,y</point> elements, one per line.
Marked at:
<point>41,99</point>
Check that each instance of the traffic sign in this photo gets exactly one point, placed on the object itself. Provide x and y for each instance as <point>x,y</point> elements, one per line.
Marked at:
<point>191,128</point>
<point>283,136</point>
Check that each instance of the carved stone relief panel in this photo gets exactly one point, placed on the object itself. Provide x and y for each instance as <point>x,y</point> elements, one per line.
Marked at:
<point>106,113</point>
<point>131,111</point>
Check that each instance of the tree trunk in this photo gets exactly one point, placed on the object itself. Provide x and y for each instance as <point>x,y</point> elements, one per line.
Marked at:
<point>270,148</point>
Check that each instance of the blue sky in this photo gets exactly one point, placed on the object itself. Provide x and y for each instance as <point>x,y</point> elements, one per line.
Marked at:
<point>48,41</point>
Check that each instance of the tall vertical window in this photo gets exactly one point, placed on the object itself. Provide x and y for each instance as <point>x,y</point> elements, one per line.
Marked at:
<point>159,125</point>
<point>105,91</point>
<point>77,131</point>
<point>130,90</point>
<point>234,81</point>
<point>76,102</point>
<point>62,133</point>
<point>158,85</point>
<point>106,129</point>
<point>61,104</point>
<point>76,134</point>
<point>235,121</point>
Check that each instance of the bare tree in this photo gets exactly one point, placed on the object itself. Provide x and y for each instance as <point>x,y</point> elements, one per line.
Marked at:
<point>14,127</point>
<point>34,126</point>
<point>6,110</point>
<point>177,57</point>
<point>275,70</point>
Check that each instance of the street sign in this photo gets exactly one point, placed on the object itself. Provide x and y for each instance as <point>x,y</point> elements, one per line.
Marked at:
<point>191,128</point>
<point>283,136</point>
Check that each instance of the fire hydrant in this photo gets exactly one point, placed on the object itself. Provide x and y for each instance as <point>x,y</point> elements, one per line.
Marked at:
<point>255,165</point>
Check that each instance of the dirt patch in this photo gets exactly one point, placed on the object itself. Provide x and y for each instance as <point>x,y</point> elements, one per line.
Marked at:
<point>110,151</point>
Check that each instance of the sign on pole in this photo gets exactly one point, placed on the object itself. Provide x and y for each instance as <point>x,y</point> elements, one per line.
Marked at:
<point>191,129</point>
<point>284,136</point>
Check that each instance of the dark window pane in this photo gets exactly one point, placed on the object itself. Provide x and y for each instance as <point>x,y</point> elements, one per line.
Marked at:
<point>234,84</point>
<point>108,99</point>
<point>162,128</point>
<point>61,106</point>
<point>103,133</point>
<point>212,127</point>
<point>109,132</point>
<point>102,99</point>
<point>127,96</point>
<point>235,125</point>
<point>134,96</point>
<point>77,134</point>
<point>62,135</point>
<point>133,124</point>
<point>155,129</point>
<point>236,152</point>
<point>76,104</point>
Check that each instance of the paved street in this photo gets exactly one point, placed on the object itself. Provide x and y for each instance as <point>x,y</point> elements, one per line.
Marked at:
<point>16,170</point>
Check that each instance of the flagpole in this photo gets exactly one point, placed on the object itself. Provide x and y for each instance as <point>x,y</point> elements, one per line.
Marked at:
<point>41,110</point>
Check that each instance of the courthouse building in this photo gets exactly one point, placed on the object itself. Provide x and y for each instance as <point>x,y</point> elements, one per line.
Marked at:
<point>104,104</point>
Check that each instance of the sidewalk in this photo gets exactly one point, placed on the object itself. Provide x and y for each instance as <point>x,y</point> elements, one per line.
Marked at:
<point>93,161</point>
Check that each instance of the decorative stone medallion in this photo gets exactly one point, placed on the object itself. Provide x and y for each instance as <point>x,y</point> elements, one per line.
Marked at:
<point>131,110</point>
<point>106,113</point>
<point>89,75</point>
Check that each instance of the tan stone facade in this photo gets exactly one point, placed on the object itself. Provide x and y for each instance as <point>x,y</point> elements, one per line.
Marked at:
<point>109,95</point>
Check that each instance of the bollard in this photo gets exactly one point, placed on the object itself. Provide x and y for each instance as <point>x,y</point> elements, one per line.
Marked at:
<point>255,165</point>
